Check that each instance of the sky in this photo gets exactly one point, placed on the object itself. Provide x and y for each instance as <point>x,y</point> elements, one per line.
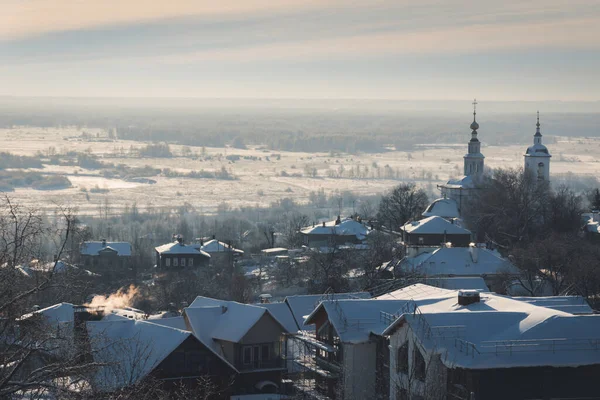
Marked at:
<point>351,49</point>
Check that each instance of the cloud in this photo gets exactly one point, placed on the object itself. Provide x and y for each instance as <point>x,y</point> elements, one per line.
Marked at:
<point>22,18</point>
<point>580,33</point>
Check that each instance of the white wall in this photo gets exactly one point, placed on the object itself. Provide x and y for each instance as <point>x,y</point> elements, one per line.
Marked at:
<point>359,370</point>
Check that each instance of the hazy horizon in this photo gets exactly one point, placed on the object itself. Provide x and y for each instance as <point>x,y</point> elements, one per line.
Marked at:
<point>324,49</point>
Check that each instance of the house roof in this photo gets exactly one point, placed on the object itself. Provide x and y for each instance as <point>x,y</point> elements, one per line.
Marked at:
<point>460,261</point>
<point>282,313</point>
<point>355,320</point>
<point>64,313</point>
<point>347,227</point>
<point>179,248</point>
<point>214,246</point>
<point>445,208</point>
<point>211,320</point>
<point>434,225</point>
<point>453,283</point>
<point>93,248</point>
<point>302,305</point>
<point>58,313</point>
<point>131,348</point>
<point>173,322</point>
<point>570,304</point>
<point>464,182</point>
<point>230,320</point>
<point>499,331</point>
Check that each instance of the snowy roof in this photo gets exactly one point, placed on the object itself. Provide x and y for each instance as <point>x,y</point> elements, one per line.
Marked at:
<point>498,331</point>
<point>214,246</point>
<point>173,322</point>
<point>231,321</point>
<point>179,248</point>
<point>537,150</point>
<point>570,304</point>
<point>454,283</point>
<point>274,250</point>
<point>464,182</point>
<point>282,313</point>
<point>303,305</point>
<point>347,227</point>
<point>61,267</point>
<point>58,313</point>
<point>592,226</point>
<point>131,348</point>
<point>445,208</point>
<point>64,313</point>
<point>212,319</point>
<point>94,247</point>
<point>462,261</point>
<point>434,225</point>
<point>355,319</point>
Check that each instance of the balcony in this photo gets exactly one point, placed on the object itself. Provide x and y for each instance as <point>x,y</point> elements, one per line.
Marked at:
<point>275,363</point>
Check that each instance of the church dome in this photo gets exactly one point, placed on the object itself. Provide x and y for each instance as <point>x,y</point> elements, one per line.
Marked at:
<point>539,150</point>
<point>445,208</point>
<point>474,125</point>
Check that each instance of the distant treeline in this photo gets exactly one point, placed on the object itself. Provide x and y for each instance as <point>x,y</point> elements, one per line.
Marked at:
<point>347,131</point>
<point>12,179</point>
<point>9,180</point>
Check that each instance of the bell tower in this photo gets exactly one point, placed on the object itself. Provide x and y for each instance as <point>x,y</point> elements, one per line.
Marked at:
<point>473,160</point>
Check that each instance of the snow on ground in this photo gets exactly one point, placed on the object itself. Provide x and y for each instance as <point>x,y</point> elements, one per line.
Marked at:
<point>260,181</point>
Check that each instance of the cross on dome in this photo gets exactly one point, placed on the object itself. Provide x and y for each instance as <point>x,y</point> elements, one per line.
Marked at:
<point>474,125</point>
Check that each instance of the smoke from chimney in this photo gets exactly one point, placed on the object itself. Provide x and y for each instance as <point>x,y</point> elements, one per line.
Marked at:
<point>122,298</point>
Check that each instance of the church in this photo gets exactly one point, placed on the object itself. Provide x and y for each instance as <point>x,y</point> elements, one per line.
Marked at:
<point>537,163</point>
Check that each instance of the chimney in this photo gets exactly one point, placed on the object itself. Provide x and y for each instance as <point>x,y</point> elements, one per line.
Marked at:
<point>201,242</point>
<point>214,237</point>
<point>323,224</point>
<point>55,258</point>
<point>82,314</point>
<point>474,252</point>
<point>466,297</point>
<point>180,240</point>
<point>338,220</point>
<point>103,242</point>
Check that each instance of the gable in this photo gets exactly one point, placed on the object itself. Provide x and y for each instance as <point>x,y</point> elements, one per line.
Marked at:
<point>265,330</point>
<point>191,358</point>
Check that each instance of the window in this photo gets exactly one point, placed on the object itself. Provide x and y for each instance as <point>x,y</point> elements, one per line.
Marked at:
<point>247,356</point>
<point>175,262</point>
<point>418,365</point>
<point>183,262</point>
<point>190,262</point>
<point>265,353</point>
<point>402,359</point>
<point>168,262</point>
<point>256,356</point>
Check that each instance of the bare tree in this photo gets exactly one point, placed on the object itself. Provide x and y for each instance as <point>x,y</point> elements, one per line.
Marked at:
<point>403,203</point>
<point>35,357</point>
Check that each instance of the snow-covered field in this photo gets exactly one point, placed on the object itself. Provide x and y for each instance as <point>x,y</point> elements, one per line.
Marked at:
<point>260,181</point>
